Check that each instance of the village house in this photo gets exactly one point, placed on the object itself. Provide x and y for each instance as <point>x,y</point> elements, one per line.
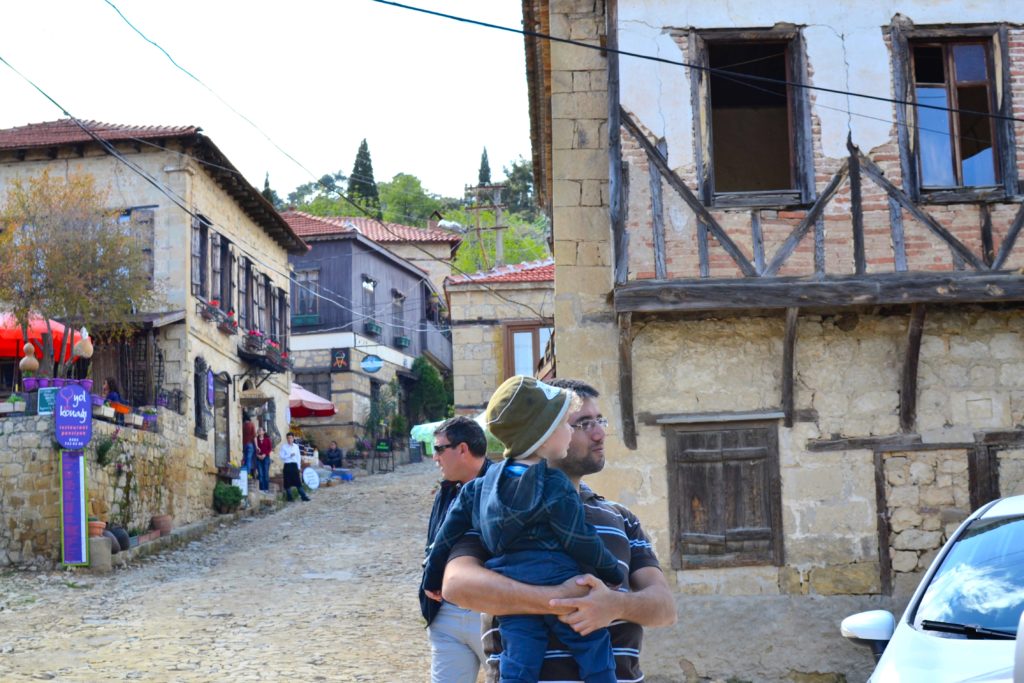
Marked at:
<point>361,315</point>
<point>501,324</point>
<point>214,343</point>
<point>802,307</point>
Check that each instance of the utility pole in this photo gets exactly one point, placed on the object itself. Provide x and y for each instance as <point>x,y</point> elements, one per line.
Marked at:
<point>492,194</point>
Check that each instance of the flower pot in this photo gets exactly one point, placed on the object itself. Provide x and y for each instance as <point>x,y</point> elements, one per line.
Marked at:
<point>96,529</point>
<point>43,382</point>
<point>121,535</point>
<point>103,411</point>
<point>30,383</point>
<point>58,382</point>
<point>86,384</point>
<point>162,523</point>
<point>97,400</point>
<point>18,407</point>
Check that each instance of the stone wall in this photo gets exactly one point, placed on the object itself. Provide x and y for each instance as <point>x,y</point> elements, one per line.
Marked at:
<point>159,471</point>
<point>479,320</point>
<point>1011,472</point>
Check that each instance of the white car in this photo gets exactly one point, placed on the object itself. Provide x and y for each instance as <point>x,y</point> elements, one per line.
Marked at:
<point>965,615</point>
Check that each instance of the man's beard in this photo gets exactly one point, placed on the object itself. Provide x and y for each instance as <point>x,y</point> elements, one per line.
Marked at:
<point>581,465</point>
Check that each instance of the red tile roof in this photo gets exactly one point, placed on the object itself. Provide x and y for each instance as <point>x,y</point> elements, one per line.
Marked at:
<point>530,271</point>
<point>320,226</point>
<point>65,132</point>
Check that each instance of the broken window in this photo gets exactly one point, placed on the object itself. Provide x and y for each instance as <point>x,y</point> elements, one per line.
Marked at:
<point>955,148</point>
<point>754,132</point>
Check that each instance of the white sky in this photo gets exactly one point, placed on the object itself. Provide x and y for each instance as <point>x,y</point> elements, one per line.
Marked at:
<point>316,76</point>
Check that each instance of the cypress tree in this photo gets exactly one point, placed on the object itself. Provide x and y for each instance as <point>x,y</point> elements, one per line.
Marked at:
<point>485,169</point>
<point>361,184</point>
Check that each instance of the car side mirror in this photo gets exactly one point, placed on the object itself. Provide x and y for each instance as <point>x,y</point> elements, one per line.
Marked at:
<point>873,629</point>
<point>1018,659</point>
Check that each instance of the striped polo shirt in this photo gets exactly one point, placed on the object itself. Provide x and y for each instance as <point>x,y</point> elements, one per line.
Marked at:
<point>621,533</point>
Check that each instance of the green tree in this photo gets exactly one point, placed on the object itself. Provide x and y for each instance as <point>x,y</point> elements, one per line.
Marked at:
<point>428,399</point>
<point>403,200</point>
<point>518,194</point>
<point>523,240</point>
<point>485,169</point>
<point>362,188</point>
<point>270,195</point>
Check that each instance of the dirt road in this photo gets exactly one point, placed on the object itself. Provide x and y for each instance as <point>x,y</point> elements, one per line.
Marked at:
<point>320,591</point>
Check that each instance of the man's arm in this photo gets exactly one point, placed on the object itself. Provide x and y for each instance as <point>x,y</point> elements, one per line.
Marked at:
<point>470,585</point>
<point>650,603</point>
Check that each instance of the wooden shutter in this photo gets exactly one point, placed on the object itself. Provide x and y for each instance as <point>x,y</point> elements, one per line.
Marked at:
<point>215,260</point>
<point>725,497</point>
<point>197,257</point>
<point>287,321</point>
<point>228,295</point>
<point>142,231</point>
<point>243,294</point>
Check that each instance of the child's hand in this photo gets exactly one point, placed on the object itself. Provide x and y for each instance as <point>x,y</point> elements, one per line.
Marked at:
<point>596,610</point>
<point>434,595</point>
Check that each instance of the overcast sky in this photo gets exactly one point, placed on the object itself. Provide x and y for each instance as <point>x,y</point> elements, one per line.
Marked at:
<point>316,76</point>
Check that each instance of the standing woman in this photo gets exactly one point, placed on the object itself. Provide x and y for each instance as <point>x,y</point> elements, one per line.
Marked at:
<point>292,459</point>
<point>263,450</point>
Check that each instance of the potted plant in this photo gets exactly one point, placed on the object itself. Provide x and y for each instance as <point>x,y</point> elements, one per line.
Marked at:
<point>226,497</point>
<point>148,414</point>
<point>29,381</point>
<point>96,527</point>
<point>13,404</point>
<point>162,523</point>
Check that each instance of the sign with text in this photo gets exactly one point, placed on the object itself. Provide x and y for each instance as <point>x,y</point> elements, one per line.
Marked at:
<point>74,531</point>
<point>371,364</point>
<point>72,417</point>
<point>340,360</point>
<point>46,400</point>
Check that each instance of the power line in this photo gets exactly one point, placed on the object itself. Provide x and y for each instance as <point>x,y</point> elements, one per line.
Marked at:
<point>674,62</point>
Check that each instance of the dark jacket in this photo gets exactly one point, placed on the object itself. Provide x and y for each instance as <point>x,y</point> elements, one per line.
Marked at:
<point>446,495</point>
<point>522,509</point>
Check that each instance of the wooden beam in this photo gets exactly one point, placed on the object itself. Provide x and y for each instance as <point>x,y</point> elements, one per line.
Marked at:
<point>908,383</point>
<point>702,248</point>
<point>819,245</point>
<point>667,296</point>
<point>788,365</point>
<point>899,243</point>
<point>757,239</point>
<point>878,176</point>
<point>882,526</point>
<point>616,194</point>
<point>813,214</point>
<point>856,208</point>
<point>708,418</point>
<point>982,475</point>
<point>658,213</point>
<point>1011,238</point>
<point>987,248</point>
<point>687,195</point>
<point>892,442</point>
<point>626,380</point>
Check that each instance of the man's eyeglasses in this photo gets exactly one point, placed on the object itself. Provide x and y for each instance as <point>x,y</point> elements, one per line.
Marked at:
<point>589,423</point>
<point>438,447</point>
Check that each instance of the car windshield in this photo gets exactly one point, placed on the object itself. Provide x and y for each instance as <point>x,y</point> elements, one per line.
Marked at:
<point>981,580</point>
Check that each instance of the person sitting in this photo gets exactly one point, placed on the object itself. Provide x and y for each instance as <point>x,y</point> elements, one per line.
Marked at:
<point>109,391</point>
<point>333,457</point>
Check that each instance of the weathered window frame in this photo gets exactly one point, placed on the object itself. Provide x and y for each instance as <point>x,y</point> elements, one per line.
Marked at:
<point>901,38</point>
<point>509,344</point>
<point>676,460</point>
<point>804,192</point>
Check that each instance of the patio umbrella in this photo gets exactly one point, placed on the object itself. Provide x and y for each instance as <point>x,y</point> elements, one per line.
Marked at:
<point>304,403</point>
<point>11,341</point>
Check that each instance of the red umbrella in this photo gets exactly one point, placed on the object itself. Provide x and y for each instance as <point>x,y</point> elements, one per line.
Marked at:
<point>307,404</point>
<point>11,341</point>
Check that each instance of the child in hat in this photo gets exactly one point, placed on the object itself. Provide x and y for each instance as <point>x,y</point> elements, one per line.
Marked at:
<point>531,520</point>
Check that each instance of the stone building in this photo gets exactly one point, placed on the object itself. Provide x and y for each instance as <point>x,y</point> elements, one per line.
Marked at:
<point>218,331</point>
<point>803,307</point>
<point>501,325</point>
<point>362,314</point>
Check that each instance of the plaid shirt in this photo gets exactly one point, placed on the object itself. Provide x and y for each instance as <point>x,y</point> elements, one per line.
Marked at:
<point>518,508</point>
<point>625,538</point>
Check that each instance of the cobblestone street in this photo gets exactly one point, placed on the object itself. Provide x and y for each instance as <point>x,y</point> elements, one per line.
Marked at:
<point>324,591</point>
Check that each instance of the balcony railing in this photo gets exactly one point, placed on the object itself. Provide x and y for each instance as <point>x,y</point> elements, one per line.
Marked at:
<point>436,343</point>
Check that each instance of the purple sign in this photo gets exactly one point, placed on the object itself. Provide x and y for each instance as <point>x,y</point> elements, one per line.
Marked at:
<point>72,417</point>
<point>74,530</point>
<point>209,387</point>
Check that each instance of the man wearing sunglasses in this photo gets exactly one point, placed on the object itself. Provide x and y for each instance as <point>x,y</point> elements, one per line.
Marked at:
<point>584,603</point>
<point>456,651</point>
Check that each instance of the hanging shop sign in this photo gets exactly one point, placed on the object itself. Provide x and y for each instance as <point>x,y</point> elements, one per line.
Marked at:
<point>371,364</point>
<point>46,400</point>
<point>341,360</point>
<point>74,544</point>
<point>72,417</point>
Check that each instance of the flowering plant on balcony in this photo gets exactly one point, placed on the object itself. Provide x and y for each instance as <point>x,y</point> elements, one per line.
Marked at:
<point>255,333</point>
<point>273,344</point>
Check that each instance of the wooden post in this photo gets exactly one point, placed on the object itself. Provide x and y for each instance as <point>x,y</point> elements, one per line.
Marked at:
<point>788,365</point>
<point>988,251</point>
<point>616,196</point>
<point>658,214</point>
<point>899,244</point>
<point>882,526</point>
<point>626,380</point>
<point>908,386</point>
<point>856,208</point>
<point>757,239</point>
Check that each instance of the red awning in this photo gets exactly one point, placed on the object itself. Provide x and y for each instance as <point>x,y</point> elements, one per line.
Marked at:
<point>11,341</point>
<point>307,404</point>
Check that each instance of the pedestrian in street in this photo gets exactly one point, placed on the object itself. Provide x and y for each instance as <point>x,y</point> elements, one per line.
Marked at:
<point>332,457</point>
<point>531,520</point>
<point>264,447</point>
<point>456,650</point>
<point>583,603</point>
<point>248,444</point>
<point>292,460</point>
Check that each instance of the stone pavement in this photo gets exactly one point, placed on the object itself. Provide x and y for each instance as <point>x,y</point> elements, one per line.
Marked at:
<point>320,591</point>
